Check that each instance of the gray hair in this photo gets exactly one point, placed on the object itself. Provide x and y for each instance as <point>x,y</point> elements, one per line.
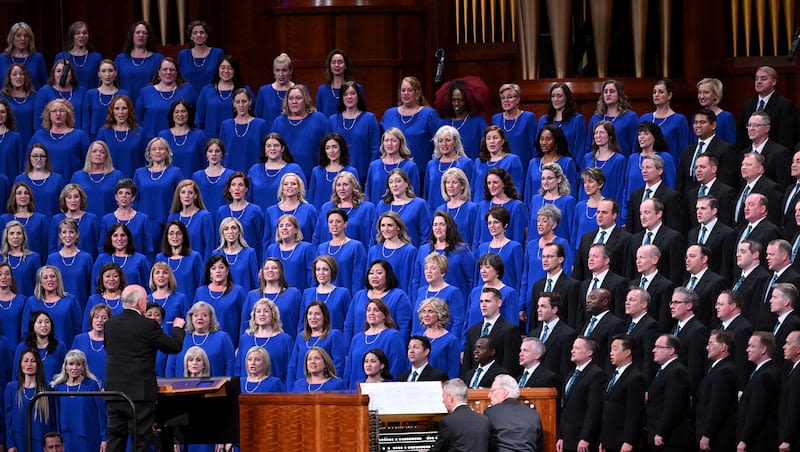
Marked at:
<point>456,388</point>
<point>507,382</point>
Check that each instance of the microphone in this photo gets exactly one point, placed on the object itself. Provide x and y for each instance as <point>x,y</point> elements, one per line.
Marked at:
<point>62,81</point>
<point>795,45</point>
<point>437,79</point>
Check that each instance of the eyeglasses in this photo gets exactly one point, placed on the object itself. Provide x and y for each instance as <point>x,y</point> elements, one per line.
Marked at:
<point>753,126</point>
<point>662,346</point>
<point>507,98</point>
<point>674,302</point>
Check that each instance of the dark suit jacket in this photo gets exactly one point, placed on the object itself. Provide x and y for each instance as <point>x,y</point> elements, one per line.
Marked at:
<point>790,323</point>
<point>668,404</point>
<point>715,406</point>
<point>623,410</point>
<point>131,342</point>
<point>796,261</point>
<point>608,327</point>
<point>674,209</point>
<point>514,427</point>
<point>542,377</point>
<point>508,341</point>
<point>727,172</point>
<point>777,161</point>
<point>694,338</point>
<point>429,373</point>
<point>582,408</point>
<point>617,285</point>
<point>463,430</point>
<point>757,415</point>
<point>742,330</point>
<point>752,292</point>
<point>722,243</point>
<point>768,188</point>
<point>619,244</point>
<point>568,288</point>
<point>644,337</point>
<point>789,410</point>
<point>660,290</point>
<point>487,378</point>
<point>782,115</point>
<point>557,348</point>
<point>788,223</point>
<point>767,319</point>
<point>764,232</point>
<point>707,290</point>
<point>724,193</point>
<point>673,249</point>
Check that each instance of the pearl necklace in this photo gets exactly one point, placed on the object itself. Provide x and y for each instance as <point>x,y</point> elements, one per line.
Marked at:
<point>205,338</point>
<point>61,137</point>
<point>246,129</point>
<point>62,96</point>
<point>410,118</point>
<point>175,139</point>
<point>74,59</point>
<point>295,124</point>
<point>247,386</point>
<point>374,340</point>
<point>344,122</point>
<point>514,124</point>
<point>160,174</point>
<point>463,121</point>
<point>110,97</point>
<point>161,93</point>
<point>124,138</point>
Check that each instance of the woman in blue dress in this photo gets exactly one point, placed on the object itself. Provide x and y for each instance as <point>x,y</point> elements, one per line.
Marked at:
<point>551,147</point>
<point>461,104</point>
<point>108,291</point>
<point>72,203</point>
<point>237,253</point>
<point>585,218</point>
<point>156,183</point>
<point>137,222</point>
<point>435,286</point>
<point>92,343</point>
<point>181,258</point>
<point>139,60</point>
<point>272,286</point>
<point>510,251</point>
<point>19,257</point>
<point>86,431</point>
<point>445,240</point>
<point>124,139</point>
<point>448,153</point>
<point>400,198</point>
<point>30,380</point>
<point>96,101</point>
<point>196,363</point>
<point>434,314</point>
<point>244,134</point>
<point>301,126</point>
<point>119,248</point>
<point>375,365</point>
<point>394,245</point>
<point>188,208</point>
<point>22,208</point>
<point>49,296</point>
<point>349,255</point>
<point>555,191</point>
<point>41,337</point>
<point>381,283</point>
<point>377,329</point>
<point>673,125</point>
<point>185,141</point>
<point>338,70</point>
<point>605,155</point>
<point>79,52</point>
<point>215,101</point>
<point>499,190</point>
<point>416,120</point>
<point>155,100</point>
<point>519,126</point>
<point>458,202</point>
<point>11,152</point>
<point>19,92</point>
<point>212,179</point>
<point>613,106</point>
<point>358,126</point>
<point>317,331</point>
<point>491,270</point>
<point>265,177</point>
<point>650,141</point>
<point>562,113</point>
<point>291,201</point>
<point>335,298</point>
<point>347,196</point>
<point>169,294</point>
<point>269,102</point>
<point>70,91</point>
<point>709,95</point>
<point>295,254</point>
<point>334,158</point>
<point>394,154</point>
<point>12,304</point>
<point>204,331</point>
<point>198,63</point>
<point>248,214</point>
<point>220,292</point>
<point>22,50</point>
<point>74,263</point>
<point>495,153</point>
<point>58,134</point>
<point>45,184</point>
<point>319,374</point>
<point>263,328</point>
<point>257,377</point>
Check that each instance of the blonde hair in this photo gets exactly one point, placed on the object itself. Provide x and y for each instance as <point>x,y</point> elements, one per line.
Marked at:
<point>74,355</point>
<point>459,174</point>
<point>298,233</point>
<point>276,316</point>
<point>196,351</point>
<point>167,160</point>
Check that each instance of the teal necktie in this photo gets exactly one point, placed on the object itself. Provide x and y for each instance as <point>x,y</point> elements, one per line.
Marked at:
<point>477,378</point>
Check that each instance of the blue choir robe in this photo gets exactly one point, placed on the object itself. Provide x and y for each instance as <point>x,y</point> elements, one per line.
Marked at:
<point>415,214</point>
<point>252,220</point>
<point>85,66</point>
<point>333,343</point>
<point>202,233</point>
<point>67,150</point>
<point>676,132</point>
<point>136,267</point>
<point>327,98</point>
<point>512,256</point>
<point>455,301</point>
<point>320,184</point>
<point>199,71</point>
<point>363,138</point>
<point>10,318</point>
<point>153,106</point>
<point>334,384</point>
<point>533,181</point>
<point>564,203</point>
<point>269,103</point>
<point>45,192</point>
<point>188,271</point>
<point>510,163</point>
<point>390,341</point>
<point>399,307</point>
<point>65,313</point>
<point>95,352</point>
<point>244,143</point>
<point>446,354</point>
<point>52,362</point>
<point>378,173</point>
<point>139,225</point>
<point>303,139</point>
<point>218,347</point>
<point>625,125</point>
<point>243,266</point>
<point>461,265</point>
<point>98,299</point>
<point>520,133</point>
<point>76,272</point>
<point>585,220</point>
<point>12,155</point>
<point>432,189</point>
<point>34,63</point>
<point>155,191</point>
<point>5,189</point>
<point>75,96</point>
<point>297,263</point>
<point>126,148</point>
<point>16,426</point>
<point>359,223</point>
<point>306,216</point>
<point>227,307</point>
<point>175,304</point>
<point>509,309</point>
<point>516,226</point>
<point>288,302</point>
<point>82,420</point>
<point>95,109</point>
<point>418,129</point>
<point>267,385</point>
<point>471,131</point>
<point>574,130</point>
<point>338,302</point>
<point>211,188</point>
<point>35,228</point>
<point>24,114</point>
<point>88,228</point>
<point>466,218</point>
<point>278,346</point>
<point>351,259</point>
<point>614,169</point>
<point>187,150</point>
<point>213,107</point>
<point>24,270</point>
<point>401,259</point>
<point>264,183</point>
<point>136,73</point>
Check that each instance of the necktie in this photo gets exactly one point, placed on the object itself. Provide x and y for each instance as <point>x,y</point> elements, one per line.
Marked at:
<point>791,371</point>
<point>590,327</point>
<point>485,330</point>
<point>648,237</point>
<point>740,205</point>
<point>692,283</point>
<point>676,330</point>
<point>602,239</point>
<point>647,193</point>
<point>612,381</point>
<point>772,282</point>
<point>697,152</point>
<point>571,381</point>
<point>545,332</point>
<point>796,248</point>
<point>660,371</point>
<point>643,282</point>
<point>702,191</point>
<point>630,328</point>
<point>477,378</point>
<point>752,374</point>
<point>761,105</point>
<point>738,283</point>
<point>747,233</point>
<point>414,376</point>
<point>595,283</point>
<point>791,201</point>
<point>524,379</point>
<point>777,327</point>
<point>549,286</point>
<point>702,239</point>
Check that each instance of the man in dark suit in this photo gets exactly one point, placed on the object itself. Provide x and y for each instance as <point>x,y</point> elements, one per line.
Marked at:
<point>602,324</point>
<point>717,237</point>
<point>655,187</point>
<point>599,263</point>
<point>669,241</point>
<point>692,333</point>
<point>729,312</point>
<point>782,303</point>
<point>779,263</point>
<point>515,427</point>
<point>534,374</point>
<point>668,399</point>
<point>709,144</point>
<point>781,111</point>
<point>796,240</point>
<point>703,282</point>
<point>582,400</point>
<point>505,334</point>
<point>751,283</point>
<point>776,156</point>
<point>556,335</point>
<point>789,201</point>
<point>752,171</point>
<point>487,367</point>
<point>623,402</point>
<point>419,350</point>
<point>789,405</point>
<point>757,414</point>
<point>643,331</point>
<point>757,226</point>
<point>556,280</point>
<point>710,185</point>
<point>715,408</point>
<point>462,430</point>
<point>131,342</point>
<point>658,287</point>
<point>608,234</point>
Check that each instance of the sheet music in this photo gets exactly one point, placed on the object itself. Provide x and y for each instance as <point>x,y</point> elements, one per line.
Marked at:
<point>422,397</point>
